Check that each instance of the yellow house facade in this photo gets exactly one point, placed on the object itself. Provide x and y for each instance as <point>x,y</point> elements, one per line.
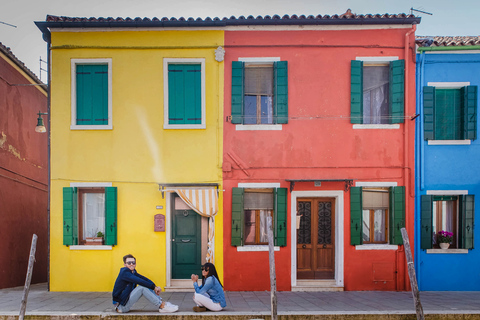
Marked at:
<point>136,114</point>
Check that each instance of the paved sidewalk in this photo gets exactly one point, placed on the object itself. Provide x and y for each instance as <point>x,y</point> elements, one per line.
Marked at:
<point>42,302</point>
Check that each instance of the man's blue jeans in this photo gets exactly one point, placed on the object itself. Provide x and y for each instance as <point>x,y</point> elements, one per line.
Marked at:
<point>136,294</point>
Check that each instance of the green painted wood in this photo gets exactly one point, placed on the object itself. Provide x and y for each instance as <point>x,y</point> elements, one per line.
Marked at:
<point>426,221</point>
<point>429,113</point>
<point>281,92</point>
<point>356,216</point>
<point>237,216</point>
<point>281,217</point>
<point>397,91</point>
<point>92,94</point>
<point>186,243</point>
<point>470,97</point>
<point>184,94</point>
<point>356,92</point>
<point>237,91</point>
<point>111,216</point>
<point>397,214</point>
<point>467,217</point>
<point>448,114</point>
<point>70,216</point>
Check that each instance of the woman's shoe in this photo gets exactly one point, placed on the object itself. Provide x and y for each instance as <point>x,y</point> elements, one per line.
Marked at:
<point>199,309</point>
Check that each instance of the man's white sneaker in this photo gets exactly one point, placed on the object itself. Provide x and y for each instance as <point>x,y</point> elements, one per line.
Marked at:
<point>168,308</point>
<point>171,305</point>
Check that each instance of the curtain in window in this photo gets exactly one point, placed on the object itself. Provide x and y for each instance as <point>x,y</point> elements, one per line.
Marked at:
<point>205,203</point>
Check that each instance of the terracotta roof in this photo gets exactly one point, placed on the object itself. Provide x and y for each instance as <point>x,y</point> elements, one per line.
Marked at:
<point>440,41</point>
<point>6,51</point>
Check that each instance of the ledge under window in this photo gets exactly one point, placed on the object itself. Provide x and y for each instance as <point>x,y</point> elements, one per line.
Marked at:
<point>376,126</point>
<point>97,248</point>
<point>449,142</point>
<point>448,251</point>
<point>255,248</point>
<point>377,247</point>
<point>251,127</point>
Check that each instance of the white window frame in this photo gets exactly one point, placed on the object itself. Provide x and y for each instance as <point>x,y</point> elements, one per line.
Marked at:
<point>73,72</point>
<point>166,62</point>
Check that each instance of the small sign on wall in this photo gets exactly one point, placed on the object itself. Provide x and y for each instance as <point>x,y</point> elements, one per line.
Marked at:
<point>159,223</point>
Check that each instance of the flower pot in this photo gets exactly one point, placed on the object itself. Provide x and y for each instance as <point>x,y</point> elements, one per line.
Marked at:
<point>444,245</point>
<point>93,241</point>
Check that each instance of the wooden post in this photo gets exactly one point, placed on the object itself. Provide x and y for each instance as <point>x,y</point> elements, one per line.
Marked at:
<point>26,289</point>
<point>273,277</point>
<point>411,274</point>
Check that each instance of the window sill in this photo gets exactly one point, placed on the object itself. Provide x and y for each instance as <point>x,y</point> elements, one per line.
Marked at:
<point>91,127</point>
<point>376,126</point>
<point>377,247</point>
<point>255,248</point>
<point>184,126</point>
<point>95,248</point>
<point>449,142</point>
<point>447,251</point>
<point>251,127</point>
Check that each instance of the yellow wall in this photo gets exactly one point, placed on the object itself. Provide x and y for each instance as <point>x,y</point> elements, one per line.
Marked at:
<point>136,155</point>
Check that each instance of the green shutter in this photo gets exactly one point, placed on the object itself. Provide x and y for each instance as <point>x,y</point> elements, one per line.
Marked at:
<point>237,217</point>
<point>356,92</point>
<point>281,91</point>
<point>111,216</point>
<point>426,221</point>
<point>184,94</point>
<point>448,114</point>
<point>92,94</point>
<point>470,96</point>
<point>397,214</point>
<point>467,215</point>
<point>397,91</point>
<point>237,91</point>
<point>281,217</point>
<point>70,217</point>
<point>356,216</point>
<point>429,113</point>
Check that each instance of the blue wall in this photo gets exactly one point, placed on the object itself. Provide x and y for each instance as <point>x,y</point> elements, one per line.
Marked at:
<point>447,167</point>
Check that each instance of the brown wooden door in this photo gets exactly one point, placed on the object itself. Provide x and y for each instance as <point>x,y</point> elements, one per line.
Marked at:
<point>316,238</point>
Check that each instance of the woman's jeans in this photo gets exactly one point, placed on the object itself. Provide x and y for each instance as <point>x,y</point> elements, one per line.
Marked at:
<point>206,302</point>
<point>136,294</point>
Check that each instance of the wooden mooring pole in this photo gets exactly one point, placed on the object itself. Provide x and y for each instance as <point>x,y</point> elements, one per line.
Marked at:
<point>411,274</point>
<point>26,289</point>
<point>273,277</point>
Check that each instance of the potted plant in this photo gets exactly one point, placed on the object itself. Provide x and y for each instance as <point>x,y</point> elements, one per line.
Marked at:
<point>95,241</point>
<point>444,239</point>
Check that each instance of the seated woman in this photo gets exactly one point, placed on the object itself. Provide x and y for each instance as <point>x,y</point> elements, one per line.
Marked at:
<point>210,294</point>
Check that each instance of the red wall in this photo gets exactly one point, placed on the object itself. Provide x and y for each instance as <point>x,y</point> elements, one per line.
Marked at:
<point>23,179</point>
<point>318,142</point>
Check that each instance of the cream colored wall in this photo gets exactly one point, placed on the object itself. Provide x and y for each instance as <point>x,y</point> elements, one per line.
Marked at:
<point>136,155</point>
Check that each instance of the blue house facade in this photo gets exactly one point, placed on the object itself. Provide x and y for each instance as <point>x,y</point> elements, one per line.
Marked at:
<point>447,154</point>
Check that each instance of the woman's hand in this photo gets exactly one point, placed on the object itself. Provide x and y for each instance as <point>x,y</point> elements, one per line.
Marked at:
<point>194,277</point>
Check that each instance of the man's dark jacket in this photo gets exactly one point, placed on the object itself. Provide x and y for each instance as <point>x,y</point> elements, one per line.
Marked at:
<point>126,281</point>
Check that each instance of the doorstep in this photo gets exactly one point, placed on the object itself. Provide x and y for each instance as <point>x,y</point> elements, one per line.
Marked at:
<point>183,285</point>
<point>317,286</point>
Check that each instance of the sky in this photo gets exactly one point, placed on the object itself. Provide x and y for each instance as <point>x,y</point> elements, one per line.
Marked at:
<point>450,18</point>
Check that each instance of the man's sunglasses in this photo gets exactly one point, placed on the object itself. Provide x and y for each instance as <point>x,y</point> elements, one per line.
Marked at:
<point>130,262</point>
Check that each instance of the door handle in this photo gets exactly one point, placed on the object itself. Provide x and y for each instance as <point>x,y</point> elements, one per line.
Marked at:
<point>324,245</point>
<point>304,246</point>
<point>185,240</point>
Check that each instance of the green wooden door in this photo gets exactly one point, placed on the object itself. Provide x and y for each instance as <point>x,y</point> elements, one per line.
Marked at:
<point>186,243</point>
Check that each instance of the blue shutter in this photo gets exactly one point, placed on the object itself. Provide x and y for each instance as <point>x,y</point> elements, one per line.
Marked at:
<point>397,214</point>
<point>111,216</point>
<point>237,91</point>
<point>426,221</point>
<point>397,91</point>
<point>429,113</point>
<point>237,217</point>
<point>281,217</point>
<point>356,92</point>
<point>92,94</point>
<point>281,91</point>
<point>356,216</point>
<point>70,217</point>
<point>470,97</point>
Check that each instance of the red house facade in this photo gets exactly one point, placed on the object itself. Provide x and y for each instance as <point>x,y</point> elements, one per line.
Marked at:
<point>318,135</point>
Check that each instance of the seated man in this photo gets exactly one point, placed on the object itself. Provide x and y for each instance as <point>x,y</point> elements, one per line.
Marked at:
<point>126,292</point>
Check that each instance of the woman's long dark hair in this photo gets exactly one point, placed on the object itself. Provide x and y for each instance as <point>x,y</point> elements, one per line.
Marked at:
<point>211,272</point>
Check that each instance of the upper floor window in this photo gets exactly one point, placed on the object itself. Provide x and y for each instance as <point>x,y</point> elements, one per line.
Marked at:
<point>260,91</point>
<point>377,91</point>
<point>184,91</point>
<point>91,94</point>
<point>450,113</point>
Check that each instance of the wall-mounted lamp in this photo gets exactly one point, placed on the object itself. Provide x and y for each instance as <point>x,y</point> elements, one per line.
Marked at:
<point>40,126</point>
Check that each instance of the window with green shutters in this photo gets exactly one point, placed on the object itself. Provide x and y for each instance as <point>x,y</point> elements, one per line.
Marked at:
<point>91,94</point>
<point>377,92</point>
<point>259,92</point>
<point>87,211</point>
<point>250,208</point>
<point>449,213</point>
<point>377,215</point>
<point>450,113</point>
<point>184,93</point>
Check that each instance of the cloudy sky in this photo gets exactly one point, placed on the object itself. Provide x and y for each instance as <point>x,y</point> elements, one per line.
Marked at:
<point>449,18</point>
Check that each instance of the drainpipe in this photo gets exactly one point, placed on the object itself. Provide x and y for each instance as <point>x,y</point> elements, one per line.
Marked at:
<point>406,174</point>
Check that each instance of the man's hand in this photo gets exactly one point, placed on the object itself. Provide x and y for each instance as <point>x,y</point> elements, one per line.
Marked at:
<point>194,277</point>
<point>157,290</point>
